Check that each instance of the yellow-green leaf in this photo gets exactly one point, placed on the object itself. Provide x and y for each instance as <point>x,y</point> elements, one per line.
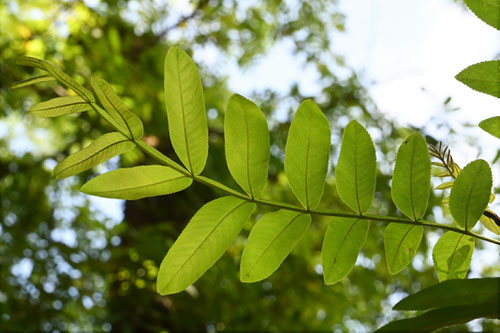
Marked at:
<point>187,119</point>
<point>137,182</point>
<point>60,106</point>
<point>202,243</point>
<point>32,80</point>
<point>401,242</point>
<point>101,150</point>
<point>271,240</point>
<point>452,255</point>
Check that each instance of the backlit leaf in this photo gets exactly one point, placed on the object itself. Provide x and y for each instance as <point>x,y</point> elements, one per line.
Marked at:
<point>491,125</point>
<point>202,243</point>
<point>32,80</point>
<point>486,10</point>
<point>412,177</point>
<point>269,243</point>
<point>445,185</point>
<point>452,255</point>
<point>137,182</point>
<point>356,169</point>
<point>101,150</point>
<point>306,153</point>
<point>401,242</point>
<point>60,106</point>
<point>483,77</point>
<point>470,194</point>
<point>125,118</point>
<point>187,119</point>
<point>491,221</point>
<point>344,239</point>
<point>246,144</point>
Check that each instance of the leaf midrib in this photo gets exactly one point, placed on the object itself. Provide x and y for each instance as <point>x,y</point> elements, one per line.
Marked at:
<point>181,95</point>
<point>116,109</point>
<point>202,242</point>
<point>247,137</point>
<point>306,176</point>
<point>56,107</point>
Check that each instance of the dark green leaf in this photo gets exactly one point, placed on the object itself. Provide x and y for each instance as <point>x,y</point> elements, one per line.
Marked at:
<point>486,10</point>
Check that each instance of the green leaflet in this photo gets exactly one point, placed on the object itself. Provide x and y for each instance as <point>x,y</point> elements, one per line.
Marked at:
<point>126,119</point>
<point>102,149</point>
<point>491,125</point>
<point>483,77</point>
<point>58,75</point>
<point>453,292</point>
<point>401,243</point>
<point>442,317</point>
<point>452,255</point>
<point>271,240</point>
<point>59,106</point>
<point>356,169</point>
<point>486,10</point>
<point>202,243</point>
<point>344,239</point>
<point>247,144</point>
<point>445,185</point>
<point>187,119</point>
<point>411,181</point>
<point>470,193</point>
<point>32,80</point>
<point>137,182</point>
<point>306,153</point>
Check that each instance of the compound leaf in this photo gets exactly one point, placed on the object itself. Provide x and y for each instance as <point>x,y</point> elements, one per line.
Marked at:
<point>126,119</point>
<point>411,180</point>
<point>470,193</point>
<point>269,243</point>
<point>486,10</point>
<point>356,169</point>
<point>491,125</point>
<point>202,243</point>
<point>452,255</point>
<point>401,243</point>
<point>344,239</point>
<point>137,182</point>
<point>246,144</point>
<point>32,80</point>
<point>453,292</point>
<point>60,106</point>
<point>187,119</point>
<point>483,77</point>
<point>306,153</point>
<point>102,149</point>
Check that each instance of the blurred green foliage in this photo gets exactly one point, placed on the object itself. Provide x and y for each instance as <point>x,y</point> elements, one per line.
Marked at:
<point>67,266</point>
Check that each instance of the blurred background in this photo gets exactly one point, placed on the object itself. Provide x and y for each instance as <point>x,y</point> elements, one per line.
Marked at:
<point>70,262</point>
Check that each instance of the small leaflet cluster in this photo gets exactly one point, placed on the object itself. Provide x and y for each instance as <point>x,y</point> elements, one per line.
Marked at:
<point>217,223</point>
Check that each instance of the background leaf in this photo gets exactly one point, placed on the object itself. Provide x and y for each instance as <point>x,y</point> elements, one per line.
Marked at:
<point>60,106</point>
<point>486,10</point>
<point>411,180</point>
<point>442,317</point>
<point>101,150</point>
<point>470,193</point>
<point>491,125</point>
<point>187,119</point>
<point>306,153</point>
<point>246,144</point>
<point>269,243</point>
<point>491,222</point>
<point>125,118</point>
<point>453,292</point>
<point>401,242</point>
<point>356,169</point>
<point>483,77</point>
<point>344,238</point>
<point>452,255</point>
<point>137,182</point>
<point>202,243</point>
